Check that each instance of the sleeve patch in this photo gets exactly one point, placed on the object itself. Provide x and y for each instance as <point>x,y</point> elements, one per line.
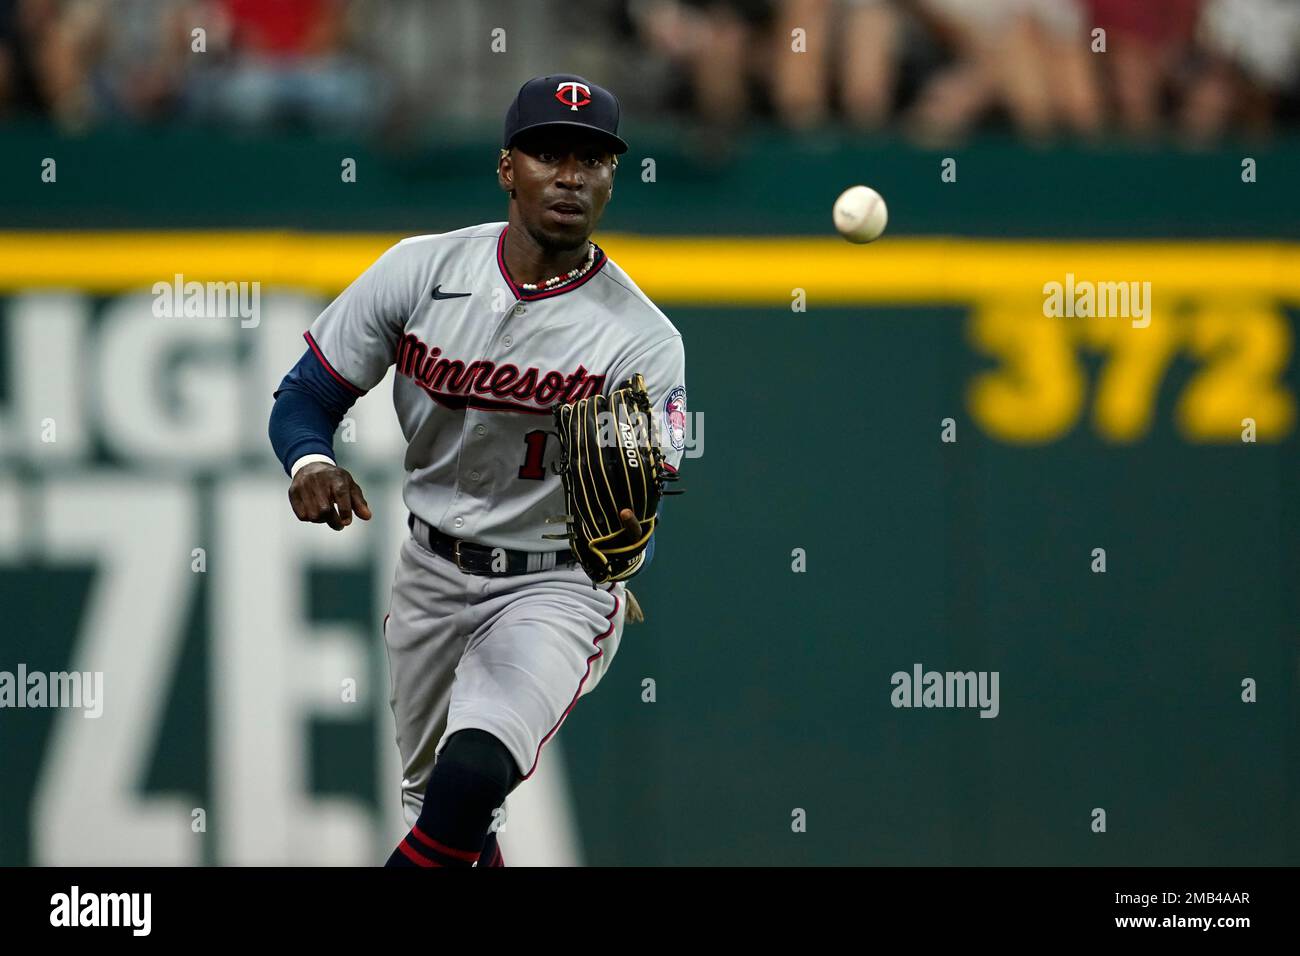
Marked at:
<point>675,416</point>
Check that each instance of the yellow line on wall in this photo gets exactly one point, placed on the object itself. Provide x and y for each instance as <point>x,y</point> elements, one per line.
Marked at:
<point>682,271</point>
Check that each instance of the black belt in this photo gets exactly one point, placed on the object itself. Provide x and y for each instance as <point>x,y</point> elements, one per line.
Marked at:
<point>479,558</point>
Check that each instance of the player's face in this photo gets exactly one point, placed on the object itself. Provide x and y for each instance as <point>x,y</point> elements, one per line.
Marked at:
<point>562,183</point>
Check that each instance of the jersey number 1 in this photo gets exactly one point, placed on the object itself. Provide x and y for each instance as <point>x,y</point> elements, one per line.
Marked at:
<point>533,457</point>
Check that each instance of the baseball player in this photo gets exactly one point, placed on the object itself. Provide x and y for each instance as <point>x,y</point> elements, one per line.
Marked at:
<point>492,634</point>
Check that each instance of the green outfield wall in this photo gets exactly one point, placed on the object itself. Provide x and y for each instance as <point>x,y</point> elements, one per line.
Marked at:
<point>887,471</point>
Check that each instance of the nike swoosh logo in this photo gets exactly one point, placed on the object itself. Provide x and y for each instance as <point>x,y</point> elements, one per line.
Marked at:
<point>438,294</point>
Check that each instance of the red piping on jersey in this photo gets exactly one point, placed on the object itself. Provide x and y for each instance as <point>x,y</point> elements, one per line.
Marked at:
<point>578,693</point>
<point>519,293</point>
<point>328,367</point>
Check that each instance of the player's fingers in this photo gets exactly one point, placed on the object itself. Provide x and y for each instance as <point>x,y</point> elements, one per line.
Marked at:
<point>309,504</point>
<point>315,502</point>
<point>341,496</point>
<point>631,527</point>
<point>318,503</point>
<point>331,517</point>
<point>360,504</point>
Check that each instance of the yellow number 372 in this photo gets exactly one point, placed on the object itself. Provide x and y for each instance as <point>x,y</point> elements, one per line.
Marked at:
<point>1038,390</point>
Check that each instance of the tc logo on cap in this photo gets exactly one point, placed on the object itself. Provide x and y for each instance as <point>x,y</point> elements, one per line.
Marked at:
<point>578,94</point>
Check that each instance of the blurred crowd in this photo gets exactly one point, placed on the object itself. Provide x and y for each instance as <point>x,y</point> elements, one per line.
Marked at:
<point>249,62</point>
<point>933,69</point>
<point>938,68</point>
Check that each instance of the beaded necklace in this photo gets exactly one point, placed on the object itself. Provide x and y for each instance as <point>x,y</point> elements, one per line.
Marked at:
<point>567,277</point>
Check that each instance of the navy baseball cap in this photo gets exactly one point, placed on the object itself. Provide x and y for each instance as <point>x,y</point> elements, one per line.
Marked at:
<point>564,100</point>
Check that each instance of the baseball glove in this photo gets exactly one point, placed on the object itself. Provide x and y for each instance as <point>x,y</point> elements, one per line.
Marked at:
<point>610,463</point>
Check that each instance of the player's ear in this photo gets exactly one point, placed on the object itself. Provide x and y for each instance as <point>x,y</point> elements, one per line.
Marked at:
<point>506,173</point>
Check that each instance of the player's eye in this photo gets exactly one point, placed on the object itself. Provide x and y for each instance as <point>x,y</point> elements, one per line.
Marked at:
<point>546,157</point>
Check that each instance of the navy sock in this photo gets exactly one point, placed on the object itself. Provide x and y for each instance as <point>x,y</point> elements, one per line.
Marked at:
<point>470,779</point>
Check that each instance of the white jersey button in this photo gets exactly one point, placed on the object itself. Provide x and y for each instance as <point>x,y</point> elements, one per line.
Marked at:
<point>520,310</point>
<point>459,522</point>
<point>508,341</point>
<point>480,429</point>
<point>474,476</point>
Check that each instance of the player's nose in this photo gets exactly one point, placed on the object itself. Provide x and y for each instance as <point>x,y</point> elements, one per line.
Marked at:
<point>569,173</point>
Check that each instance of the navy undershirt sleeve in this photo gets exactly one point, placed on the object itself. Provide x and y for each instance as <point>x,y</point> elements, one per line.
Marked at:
<point>309,404</point>
<point>650,545</point>
<point>649,552</point>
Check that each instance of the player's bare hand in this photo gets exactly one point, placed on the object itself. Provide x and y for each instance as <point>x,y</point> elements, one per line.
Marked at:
<point>631,529</point>
<point>327,494</point>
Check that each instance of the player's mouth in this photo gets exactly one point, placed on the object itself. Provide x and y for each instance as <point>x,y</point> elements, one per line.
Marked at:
<point>567,212</point>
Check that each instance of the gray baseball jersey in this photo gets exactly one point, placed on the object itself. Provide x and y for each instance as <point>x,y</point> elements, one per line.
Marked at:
<point>480,363</point>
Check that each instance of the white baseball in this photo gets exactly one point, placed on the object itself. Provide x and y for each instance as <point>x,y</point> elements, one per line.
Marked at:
<point>860,214</point>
